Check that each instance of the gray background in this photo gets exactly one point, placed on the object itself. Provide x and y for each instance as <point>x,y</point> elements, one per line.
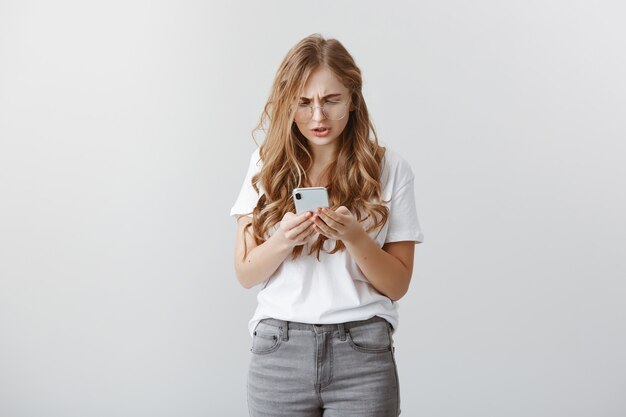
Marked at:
<point>125,132</point>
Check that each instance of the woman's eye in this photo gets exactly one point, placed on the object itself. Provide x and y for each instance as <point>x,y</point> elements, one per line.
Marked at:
<point>331,102</point>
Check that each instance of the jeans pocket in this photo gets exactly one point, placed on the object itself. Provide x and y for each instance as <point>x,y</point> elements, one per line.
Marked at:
<point>370,338</point>
<point>265,339</point>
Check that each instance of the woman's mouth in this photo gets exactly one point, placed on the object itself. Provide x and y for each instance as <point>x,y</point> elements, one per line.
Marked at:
<point>321,131</point>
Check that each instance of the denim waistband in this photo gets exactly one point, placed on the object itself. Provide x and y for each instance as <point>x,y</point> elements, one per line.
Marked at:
<point>285,324</point>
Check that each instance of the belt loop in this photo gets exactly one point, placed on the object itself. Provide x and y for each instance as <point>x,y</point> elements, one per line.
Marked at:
<point>342,332</point>
<point>284,330</point>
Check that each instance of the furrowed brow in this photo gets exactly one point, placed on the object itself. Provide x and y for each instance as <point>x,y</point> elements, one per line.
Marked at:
<point>326,96</point>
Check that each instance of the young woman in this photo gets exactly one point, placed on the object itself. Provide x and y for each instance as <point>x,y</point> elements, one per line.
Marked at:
<point>322,339</point>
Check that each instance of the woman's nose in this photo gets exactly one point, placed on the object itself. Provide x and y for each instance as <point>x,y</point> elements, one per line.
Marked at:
<point>318,114</point>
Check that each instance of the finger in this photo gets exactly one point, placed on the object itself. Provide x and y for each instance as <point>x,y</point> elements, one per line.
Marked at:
<point>323,234</point>
<point>325,229</point>
<point>306,233</point>
<point>331,219</point>
<point>295,231</point>
<point>342,215</point>
<point>303,237</point>
<point>296,220</point>
<point>303,216</point>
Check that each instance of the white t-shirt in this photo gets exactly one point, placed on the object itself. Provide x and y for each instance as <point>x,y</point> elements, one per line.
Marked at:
<point>333,289</point>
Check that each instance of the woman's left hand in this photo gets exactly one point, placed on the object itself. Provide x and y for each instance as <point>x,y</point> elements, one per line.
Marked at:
<point>339,224</point>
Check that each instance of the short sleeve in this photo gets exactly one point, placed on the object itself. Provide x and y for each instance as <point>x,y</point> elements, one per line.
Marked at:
<point>248,197</point>
<point>403,221</point>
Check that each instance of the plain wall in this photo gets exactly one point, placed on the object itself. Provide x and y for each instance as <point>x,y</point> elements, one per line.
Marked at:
<point>125,132</point>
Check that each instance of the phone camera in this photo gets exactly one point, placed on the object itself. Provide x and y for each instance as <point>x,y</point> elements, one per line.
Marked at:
<point>298,196</point>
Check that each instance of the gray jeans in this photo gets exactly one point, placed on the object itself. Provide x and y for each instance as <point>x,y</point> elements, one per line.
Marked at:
<point>330,370</point>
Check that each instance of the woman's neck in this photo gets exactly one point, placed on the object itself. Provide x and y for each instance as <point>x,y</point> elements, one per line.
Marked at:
<point>315,176</point>
<point>323,155</point>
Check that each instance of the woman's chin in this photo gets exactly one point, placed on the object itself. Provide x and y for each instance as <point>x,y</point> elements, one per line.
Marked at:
<point>321,141</point>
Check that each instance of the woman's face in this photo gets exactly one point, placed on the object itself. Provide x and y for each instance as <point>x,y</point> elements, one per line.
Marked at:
<point>323,87</point>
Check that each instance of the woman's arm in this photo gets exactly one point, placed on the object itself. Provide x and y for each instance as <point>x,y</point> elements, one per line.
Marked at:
<point>388,269</point>
<point>263,260</point>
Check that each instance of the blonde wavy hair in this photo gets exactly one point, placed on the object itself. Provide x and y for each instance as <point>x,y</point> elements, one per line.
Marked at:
<point>354,175</point>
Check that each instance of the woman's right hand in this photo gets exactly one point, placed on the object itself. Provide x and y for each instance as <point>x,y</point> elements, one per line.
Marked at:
<point>296,229</point>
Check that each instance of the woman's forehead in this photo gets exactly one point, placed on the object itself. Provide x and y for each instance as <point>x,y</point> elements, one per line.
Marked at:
<point>322,83</point>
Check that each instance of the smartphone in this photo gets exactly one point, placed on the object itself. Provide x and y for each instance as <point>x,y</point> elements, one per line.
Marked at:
<point>310,198</point>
